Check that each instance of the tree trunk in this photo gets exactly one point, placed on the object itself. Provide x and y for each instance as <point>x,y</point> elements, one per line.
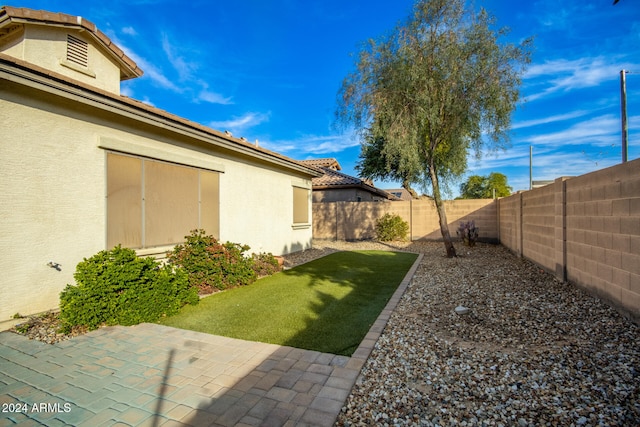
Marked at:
<point>442,215</point>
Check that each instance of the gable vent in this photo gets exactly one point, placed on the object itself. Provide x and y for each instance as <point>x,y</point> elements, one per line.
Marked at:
<point>77,51</point>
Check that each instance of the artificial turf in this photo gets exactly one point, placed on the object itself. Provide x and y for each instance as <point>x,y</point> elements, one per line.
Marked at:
<point>327,304</point>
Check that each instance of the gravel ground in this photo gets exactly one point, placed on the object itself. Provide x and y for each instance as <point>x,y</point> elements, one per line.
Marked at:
<point>531,352</point>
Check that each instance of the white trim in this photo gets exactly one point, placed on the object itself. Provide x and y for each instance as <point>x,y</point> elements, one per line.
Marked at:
<point>301,184</point>
<point>79,68</point>
<point>156,252</point>
<point>300,226</point>
<point>114,144</point>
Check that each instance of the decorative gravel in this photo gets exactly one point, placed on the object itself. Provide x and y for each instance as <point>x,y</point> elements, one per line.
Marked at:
<point>531,351</point>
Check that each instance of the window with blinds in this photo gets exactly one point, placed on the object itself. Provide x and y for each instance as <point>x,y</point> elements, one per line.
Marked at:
<point>300,205</point>
<point>151,203</point>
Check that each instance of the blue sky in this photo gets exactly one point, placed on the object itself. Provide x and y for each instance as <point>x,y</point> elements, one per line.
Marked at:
<point>270,70</point>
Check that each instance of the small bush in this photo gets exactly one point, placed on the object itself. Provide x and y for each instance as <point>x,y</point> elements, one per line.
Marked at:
<point>391,227</point>
<point>265,264</point>
<point>468,232</point>
<point>211,265</point>
<point>117,287</point>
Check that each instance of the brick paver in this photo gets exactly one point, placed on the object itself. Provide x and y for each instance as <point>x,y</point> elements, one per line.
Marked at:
<point>153,375</point>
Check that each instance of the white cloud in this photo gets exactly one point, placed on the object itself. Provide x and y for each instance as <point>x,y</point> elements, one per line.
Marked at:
<point>151,71</point>
<point>213,98</point>
<point>314,144</point>
<point>130,31</point>
<point>549,119</point>
<point>599,131</point>
<point>563,75</point>
<point>242,123</point>
<point>184,68</point>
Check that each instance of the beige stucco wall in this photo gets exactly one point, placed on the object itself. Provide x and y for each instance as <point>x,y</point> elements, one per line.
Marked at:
<point>52,192</point>
<point>51,203</point>
<point>46,46</point>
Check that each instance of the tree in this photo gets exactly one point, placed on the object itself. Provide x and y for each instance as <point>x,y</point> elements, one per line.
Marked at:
<point>482,187</point>
<point>374,164</point>
<point>436,87</point>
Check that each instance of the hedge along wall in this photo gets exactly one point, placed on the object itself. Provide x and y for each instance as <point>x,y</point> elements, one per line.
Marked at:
<point>356,220</point>
<point>586,230</point>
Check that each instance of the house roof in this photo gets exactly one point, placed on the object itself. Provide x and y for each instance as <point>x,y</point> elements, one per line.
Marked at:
<point>333,179</point>
<point>14,17</point>
<point>402,193</point>
<point>328,163</point>
<point>26,73</point>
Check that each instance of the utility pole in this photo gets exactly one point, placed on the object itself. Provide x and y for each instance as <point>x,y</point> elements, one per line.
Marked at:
<point>623,102</point>
<point>531,167</point>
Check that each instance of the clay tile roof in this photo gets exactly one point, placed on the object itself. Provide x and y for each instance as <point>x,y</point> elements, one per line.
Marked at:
<point>8,15</point>
<point>334,179</point>
<point>328,163</point>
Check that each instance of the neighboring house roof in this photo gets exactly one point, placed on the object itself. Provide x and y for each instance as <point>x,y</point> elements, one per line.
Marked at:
<point>29,74</point>
<point>401,193</point>
<point>13,17</point>
<point>330,163</point>
<point>333,179</point>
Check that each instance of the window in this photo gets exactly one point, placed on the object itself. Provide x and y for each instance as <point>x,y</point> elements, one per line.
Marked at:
<point>152,203</point>
<point>77,51</point>
<point>300,205</point>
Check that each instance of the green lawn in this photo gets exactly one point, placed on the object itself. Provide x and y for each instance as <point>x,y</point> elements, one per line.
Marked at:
<point>327,305</point>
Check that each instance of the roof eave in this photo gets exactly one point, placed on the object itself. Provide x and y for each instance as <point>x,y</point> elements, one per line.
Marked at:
<point>45,81</point>
<point>13,15</point>
<point>365,187</point>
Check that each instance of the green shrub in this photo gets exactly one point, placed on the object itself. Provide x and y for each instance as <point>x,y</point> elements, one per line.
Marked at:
<point>212,265</point>
<point>391,227</point>
<point>265,264</point>
<point>117,287</point>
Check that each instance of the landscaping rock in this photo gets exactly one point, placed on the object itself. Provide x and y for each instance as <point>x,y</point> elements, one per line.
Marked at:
<point>533,351</point>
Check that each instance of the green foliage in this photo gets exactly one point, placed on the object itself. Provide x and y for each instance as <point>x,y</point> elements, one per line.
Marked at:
<point>117,287</point>
<point>438,86</point>
<point>391,227</point>
<point>468,232</point>
<point>265,264</point>
<point>212,265</point>
<point>375,163</point>
<point>482,187</point>
<point>23,328</point>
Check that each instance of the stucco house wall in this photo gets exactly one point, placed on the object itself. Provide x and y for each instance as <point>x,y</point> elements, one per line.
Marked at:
<point>53,201</point>
<point>57,136</point>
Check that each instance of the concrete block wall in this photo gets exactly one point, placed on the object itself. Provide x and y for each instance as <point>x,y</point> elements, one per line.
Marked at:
<point>585,230</point>
<point>356,220</point>
<point>426,225</point>
<point>510,222</point>
<point>603,233</point>
<point>538,226</point>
